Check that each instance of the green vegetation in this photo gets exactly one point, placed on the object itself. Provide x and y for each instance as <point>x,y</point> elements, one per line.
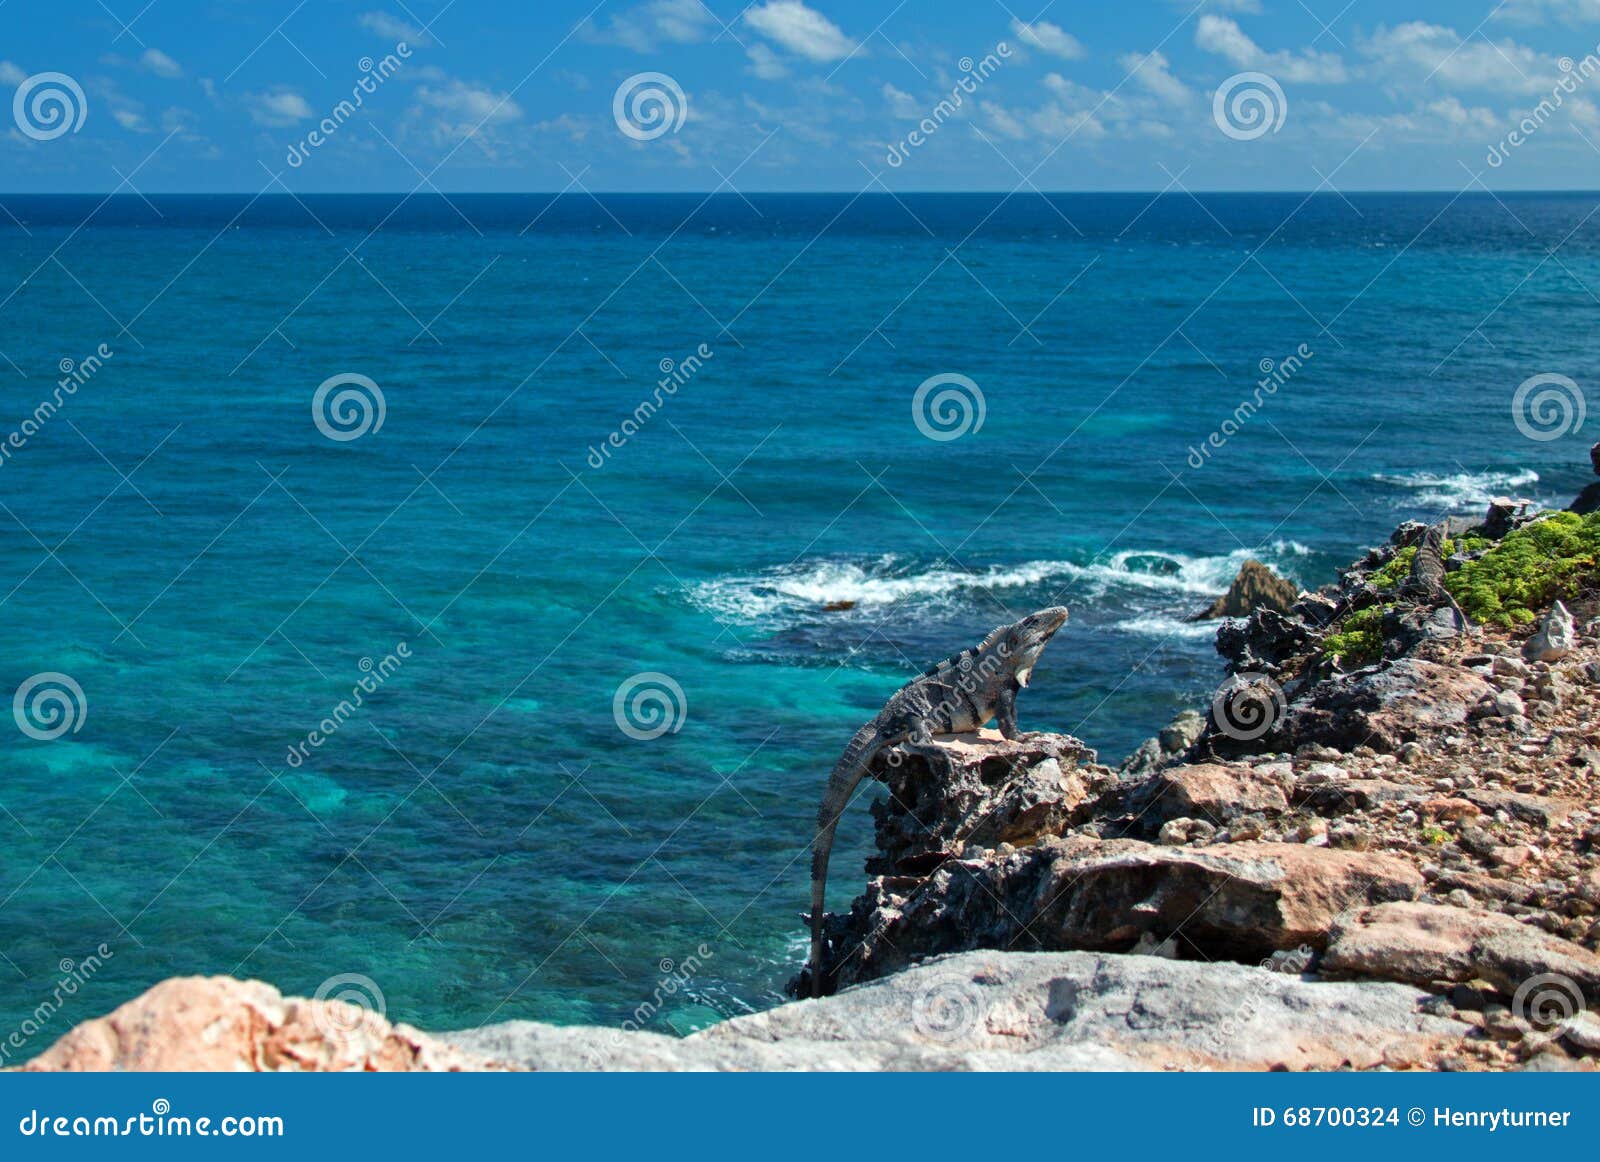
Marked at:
<point>1359,639</point>
<point>1434,834</point>
<point>1557,557</point>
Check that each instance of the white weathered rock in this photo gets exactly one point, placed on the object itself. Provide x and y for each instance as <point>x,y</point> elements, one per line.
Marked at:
<point>1556,637</point>
<point>1027,1011</point>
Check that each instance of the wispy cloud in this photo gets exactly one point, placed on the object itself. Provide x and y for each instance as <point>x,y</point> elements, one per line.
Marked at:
<point>801,30</point>
<point>393,28</point>
<point>278,108</point>
<point>1430,53</point>
<point>649,26</point>
<point>1050,38</point>
<point>1224,37</point>
<point>159,63</point>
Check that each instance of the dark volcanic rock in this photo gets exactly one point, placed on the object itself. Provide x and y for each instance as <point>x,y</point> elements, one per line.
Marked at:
<point>1255,587</point>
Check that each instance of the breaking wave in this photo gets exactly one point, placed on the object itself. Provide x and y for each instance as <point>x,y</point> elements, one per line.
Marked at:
<point>1168,579</point>
<point>1457,491</point>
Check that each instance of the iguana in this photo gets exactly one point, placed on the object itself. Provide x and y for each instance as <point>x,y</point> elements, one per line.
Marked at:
<point>1426,580</point>
<point>957,696</point>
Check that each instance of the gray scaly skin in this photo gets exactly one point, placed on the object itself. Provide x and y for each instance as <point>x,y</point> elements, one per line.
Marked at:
<point>1427,574</point>
<point>957,696</point>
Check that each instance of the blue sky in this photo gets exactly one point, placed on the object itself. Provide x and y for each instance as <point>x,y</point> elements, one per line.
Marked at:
<point>490,95</point>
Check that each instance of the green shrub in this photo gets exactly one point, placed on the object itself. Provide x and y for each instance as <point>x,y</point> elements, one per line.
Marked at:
<point>1359,638</point>
<point>1556,557</point>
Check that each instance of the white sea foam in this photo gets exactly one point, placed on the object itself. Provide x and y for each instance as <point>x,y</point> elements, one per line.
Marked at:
<point>1460,490</point>
<point>810,586</point>
<point>1161,625</point>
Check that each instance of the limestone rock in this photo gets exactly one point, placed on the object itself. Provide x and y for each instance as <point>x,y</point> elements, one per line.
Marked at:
<point>1419,943</point>
<point>219,1024</point>
<point>1238,901</point>
<point>1555,639</point>
<point>1029,1011</point>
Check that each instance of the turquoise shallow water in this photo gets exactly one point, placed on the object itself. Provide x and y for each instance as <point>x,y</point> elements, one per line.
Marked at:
<point>478,837</point>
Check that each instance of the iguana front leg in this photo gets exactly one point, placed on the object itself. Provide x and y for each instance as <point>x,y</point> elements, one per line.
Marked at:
<point>1005,712</point>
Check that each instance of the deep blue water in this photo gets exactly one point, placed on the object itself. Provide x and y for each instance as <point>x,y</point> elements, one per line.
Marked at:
<point>479,837</point>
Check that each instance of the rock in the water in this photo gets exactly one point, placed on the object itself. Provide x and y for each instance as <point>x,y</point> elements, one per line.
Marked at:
<point>1255,587</point>
<point>1555,639</point>
<point>218,1024</point>
<point>1028,1011</point>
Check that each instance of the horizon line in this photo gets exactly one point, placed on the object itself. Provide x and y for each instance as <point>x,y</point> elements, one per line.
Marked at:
<point>718,193</point>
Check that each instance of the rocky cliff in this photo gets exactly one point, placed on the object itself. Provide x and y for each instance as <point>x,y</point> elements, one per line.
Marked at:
<point>1375,847</point>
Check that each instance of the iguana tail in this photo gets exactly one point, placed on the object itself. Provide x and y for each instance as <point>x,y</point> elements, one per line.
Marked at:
<point>846,777</point>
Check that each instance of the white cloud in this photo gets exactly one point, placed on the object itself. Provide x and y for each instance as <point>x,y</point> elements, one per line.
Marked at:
<point>1420,52</point>
<point>647,27</point>
<point>278,109</point>
<point>801,30</point>
<point>1002,120</point>
<point>471,103</point>
<point>1050,38</point>
<point>765,63</point>
<point>159,63</point>
<point>1224,37</point>
<point>128,119</point>
<point>1545,11</point>
<point>1154,74</point>
<point>903,104</point>
<point>393,28</point>
<point>10,74</point>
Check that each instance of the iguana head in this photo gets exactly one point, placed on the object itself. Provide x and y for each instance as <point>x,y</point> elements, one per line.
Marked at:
<point>1026,640</point>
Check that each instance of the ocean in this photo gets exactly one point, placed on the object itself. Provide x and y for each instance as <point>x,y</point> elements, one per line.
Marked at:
<point>462,601</point>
